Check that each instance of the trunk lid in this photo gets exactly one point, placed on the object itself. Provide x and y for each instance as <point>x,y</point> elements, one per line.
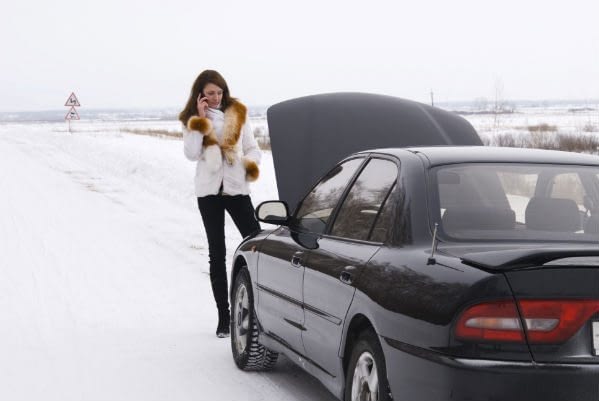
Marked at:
<point>556,289</point>
<point>507,257</point>
<point>571,291</point>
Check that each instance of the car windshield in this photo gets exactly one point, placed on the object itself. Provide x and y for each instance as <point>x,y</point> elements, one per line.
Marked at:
<point>516,201</point>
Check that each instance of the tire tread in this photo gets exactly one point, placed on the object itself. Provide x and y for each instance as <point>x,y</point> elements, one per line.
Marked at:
<point>256,356</point>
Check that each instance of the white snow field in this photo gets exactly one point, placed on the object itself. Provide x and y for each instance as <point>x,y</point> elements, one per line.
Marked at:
<point>104,286</point>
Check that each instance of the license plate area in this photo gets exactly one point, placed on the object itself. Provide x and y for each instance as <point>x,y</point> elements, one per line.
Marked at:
<point>596,338</point>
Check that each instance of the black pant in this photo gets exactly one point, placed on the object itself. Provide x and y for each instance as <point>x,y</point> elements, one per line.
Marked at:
<point>213,208</point>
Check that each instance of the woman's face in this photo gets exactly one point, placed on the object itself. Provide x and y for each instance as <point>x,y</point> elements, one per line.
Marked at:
<point>213,94</point>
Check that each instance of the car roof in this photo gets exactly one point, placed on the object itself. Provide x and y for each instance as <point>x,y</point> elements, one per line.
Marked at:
<point>439,155</point>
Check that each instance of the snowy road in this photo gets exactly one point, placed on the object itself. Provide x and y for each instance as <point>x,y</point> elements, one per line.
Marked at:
<point>104,292</point>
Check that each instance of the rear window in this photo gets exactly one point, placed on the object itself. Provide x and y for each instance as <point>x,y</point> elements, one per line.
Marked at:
<point>524,202</point>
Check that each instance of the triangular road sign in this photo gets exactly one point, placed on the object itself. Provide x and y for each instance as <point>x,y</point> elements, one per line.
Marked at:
<point>72,114</point>
<point>72,100</point>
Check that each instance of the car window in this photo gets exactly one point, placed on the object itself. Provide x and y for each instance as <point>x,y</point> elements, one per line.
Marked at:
<point>517,201</point>
<point>384,221</point>
<point>316,208</point>
<point>519,187</point>
<point>568,186</point>
<point>364,200</point>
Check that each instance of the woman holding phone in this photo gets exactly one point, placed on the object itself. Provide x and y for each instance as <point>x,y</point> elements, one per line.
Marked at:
<point>217,135</point>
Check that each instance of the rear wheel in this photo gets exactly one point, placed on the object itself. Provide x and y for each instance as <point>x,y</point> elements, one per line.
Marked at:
<point>366,376</point>
<point>248,353</point>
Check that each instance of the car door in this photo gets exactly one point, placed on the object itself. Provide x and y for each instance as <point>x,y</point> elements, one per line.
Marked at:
<point>353,238</point>
<point>282,256</point>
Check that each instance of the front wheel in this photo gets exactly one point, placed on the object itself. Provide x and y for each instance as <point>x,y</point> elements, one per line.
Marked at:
<point>248,353</point>
<point>366,376</point>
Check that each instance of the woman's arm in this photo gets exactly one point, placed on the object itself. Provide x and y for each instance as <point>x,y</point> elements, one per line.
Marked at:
<point>251,153</point>
<point>250,148</point>
<point>192,144</point>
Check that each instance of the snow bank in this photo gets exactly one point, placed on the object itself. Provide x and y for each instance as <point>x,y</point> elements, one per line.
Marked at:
<point>104,291</point>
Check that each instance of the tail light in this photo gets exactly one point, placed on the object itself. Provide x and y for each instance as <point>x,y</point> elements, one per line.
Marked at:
<point>491,321</point>
<point>547,321</point>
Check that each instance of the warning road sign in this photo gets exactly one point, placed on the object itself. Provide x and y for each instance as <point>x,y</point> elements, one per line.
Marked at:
<point>72,100</point>
<point>72,114</point>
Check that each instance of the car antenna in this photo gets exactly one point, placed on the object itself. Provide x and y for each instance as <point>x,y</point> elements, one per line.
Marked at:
<point>431,260</point>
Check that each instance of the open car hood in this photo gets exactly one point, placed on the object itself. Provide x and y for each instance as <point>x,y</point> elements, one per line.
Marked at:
<point>309,135</point>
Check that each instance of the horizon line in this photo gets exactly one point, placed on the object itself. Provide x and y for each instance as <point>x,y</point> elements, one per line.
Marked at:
<point>443,102</point>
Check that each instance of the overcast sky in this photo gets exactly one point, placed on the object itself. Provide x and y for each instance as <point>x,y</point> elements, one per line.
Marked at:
<point>120,53</point>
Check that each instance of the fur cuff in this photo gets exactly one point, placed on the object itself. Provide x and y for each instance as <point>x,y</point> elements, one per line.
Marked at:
<point>201,124</point>
<point>251,170</point>
<point>204,126</point>
<point>213,157</point>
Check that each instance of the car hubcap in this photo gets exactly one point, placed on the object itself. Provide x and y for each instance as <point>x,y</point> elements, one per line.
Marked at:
<point>365,385</point>
<point>242,318</point>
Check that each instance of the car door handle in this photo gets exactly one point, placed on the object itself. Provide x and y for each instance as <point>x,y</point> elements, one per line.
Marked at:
<point>296,259</point>
<point>346,277</point>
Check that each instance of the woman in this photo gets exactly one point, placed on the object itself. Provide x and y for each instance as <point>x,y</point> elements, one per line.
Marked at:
<point>217,135</point>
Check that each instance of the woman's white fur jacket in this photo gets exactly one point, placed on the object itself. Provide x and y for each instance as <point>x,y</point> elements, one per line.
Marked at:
<point>225,150</point>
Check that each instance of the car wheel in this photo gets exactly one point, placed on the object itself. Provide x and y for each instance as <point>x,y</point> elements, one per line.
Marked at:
<point>248,353</point>
<point>366,376</point>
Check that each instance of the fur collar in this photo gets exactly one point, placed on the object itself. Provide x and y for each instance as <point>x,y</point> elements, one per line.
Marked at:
<point>235,116</point>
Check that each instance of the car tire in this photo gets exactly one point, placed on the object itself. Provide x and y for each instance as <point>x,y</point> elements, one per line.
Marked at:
<point>366,376</point>
<point>248,353</point>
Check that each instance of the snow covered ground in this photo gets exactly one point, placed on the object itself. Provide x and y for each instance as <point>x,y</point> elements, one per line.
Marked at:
<point>104,286</point>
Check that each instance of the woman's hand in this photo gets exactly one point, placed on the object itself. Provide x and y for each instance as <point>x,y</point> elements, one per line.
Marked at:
<point>202,106</point>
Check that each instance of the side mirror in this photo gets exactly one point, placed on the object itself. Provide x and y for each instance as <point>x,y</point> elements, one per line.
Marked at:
<point>273,212</point>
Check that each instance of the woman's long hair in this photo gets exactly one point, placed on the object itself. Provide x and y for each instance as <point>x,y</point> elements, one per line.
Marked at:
<point>205,77</point>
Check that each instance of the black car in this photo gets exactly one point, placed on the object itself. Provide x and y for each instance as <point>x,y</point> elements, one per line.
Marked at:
<point>427,273</point>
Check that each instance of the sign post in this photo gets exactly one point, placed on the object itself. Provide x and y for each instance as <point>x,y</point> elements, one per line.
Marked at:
<point>72,113</point>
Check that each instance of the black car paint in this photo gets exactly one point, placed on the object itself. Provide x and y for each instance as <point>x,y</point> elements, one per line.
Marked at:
<point>413,305</point>
<point>445,377</point>
<point>280,288</point>
<point>329,289</point>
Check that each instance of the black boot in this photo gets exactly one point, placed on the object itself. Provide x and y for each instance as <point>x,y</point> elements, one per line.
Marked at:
<point>224,323</point>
